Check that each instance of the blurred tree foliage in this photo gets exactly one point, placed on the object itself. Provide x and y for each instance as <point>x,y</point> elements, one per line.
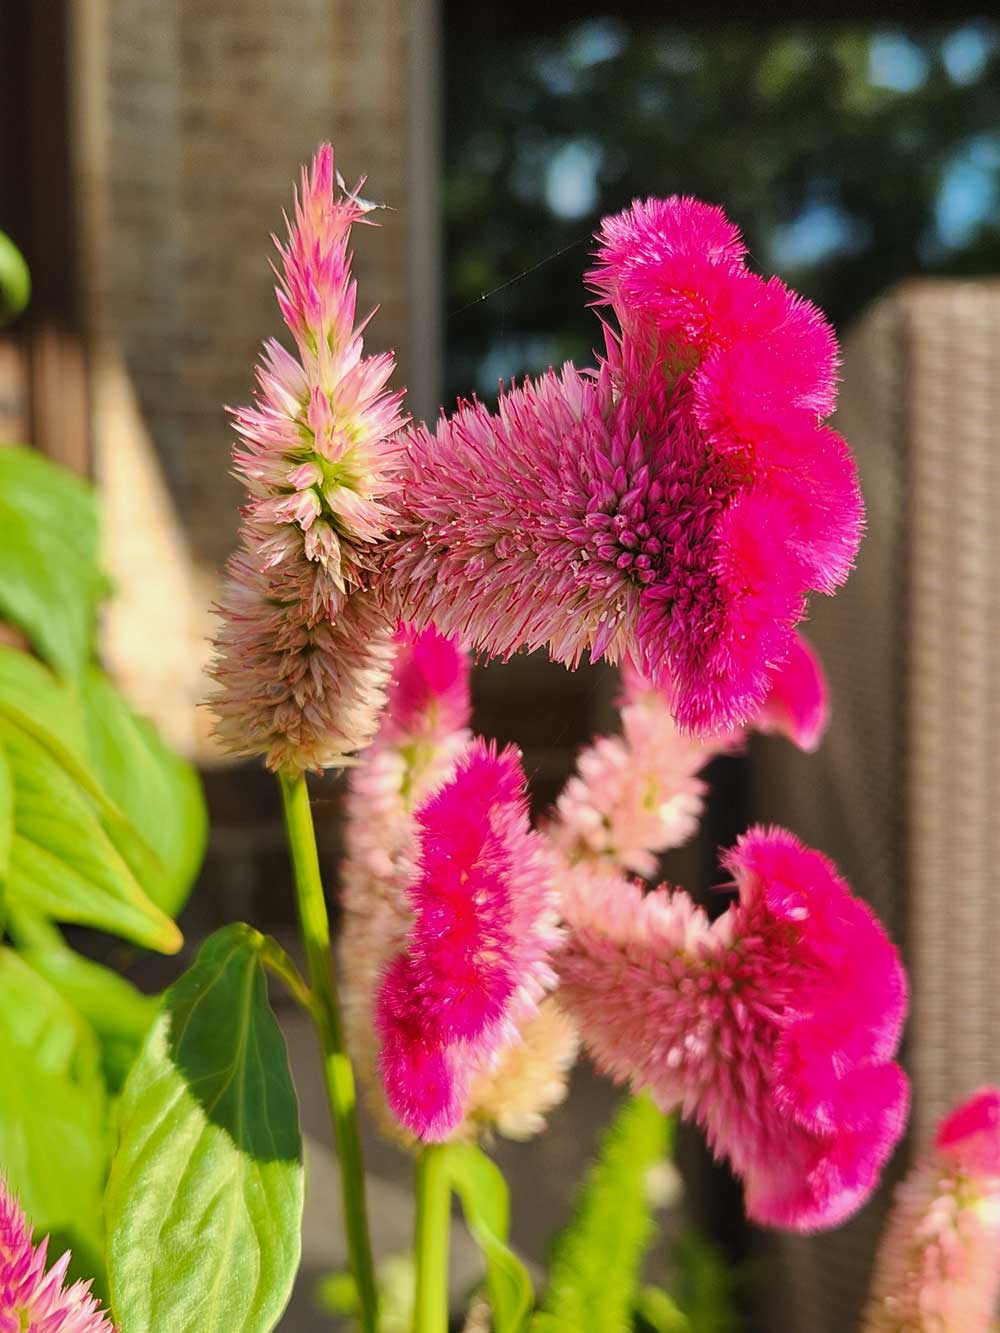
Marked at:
<point>851,155</point>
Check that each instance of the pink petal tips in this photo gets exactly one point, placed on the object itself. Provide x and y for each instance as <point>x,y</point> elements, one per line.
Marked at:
<point>476,961</point>
<point>938,1267</point>
<point>676,506</point>
<point>302,655</point>
<point>774,1026</point>
<point>32,1298</point>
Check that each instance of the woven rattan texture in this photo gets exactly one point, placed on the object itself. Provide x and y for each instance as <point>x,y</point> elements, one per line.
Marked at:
<point>904,791</point>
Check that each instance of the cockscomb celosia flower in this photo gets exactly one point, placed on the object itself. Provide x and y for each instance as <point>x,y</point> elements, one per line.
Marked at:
<point>636,795</point>
<point>676,507</point>
<point>303,655</point>
<point>422,737</point>
<point>798,704</point>
<point>32,1298</point>
<point>773,1026</point>
<point>476,960</point>
<point>938,1267</point>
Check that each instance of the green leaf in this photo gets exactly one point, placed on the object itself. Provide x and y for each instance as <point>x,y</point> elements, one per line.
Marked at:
<point>119,1014</point>
<point>54,1137</point>
<point>6,820</point>
<point>15,280</point>
<point>480,1185</point>
<point>204,1202</point>
<point>50,582</point>
<point>155,789</point>
<point>63,862</point>
<point>396,1278</point>
<point>74,855</point>
<point>707,1285</point>
<point>594,1272</point>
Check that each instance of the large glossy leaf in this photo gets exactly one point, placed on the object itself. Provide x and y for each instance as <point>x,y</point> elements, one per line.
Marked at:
<point>205,1199</point>
<point>480,1185</point>
<point>63,862</point>
<point>53,1112</point>
<point>50,582</point>
<point>6,821</point>
<point>74,855</point>
<point>119,1014</point>
<point>153,787</point>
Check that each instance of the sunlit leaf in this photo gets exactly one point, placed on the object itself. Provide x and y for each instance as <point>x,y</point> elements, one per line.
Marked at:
<point>50,582</point>
<point>204,1202</point>
<point>153,787</point>
<point>53,1115</point>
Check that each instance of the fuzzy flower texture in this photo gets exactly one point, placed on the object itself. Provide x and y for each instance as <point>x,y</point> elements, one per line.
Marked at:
<point>33,1298</point>
<point>773,1026</point>
<point>450,922</point>
<point>938,1268</point>
<point>303,655</point>
<point>675,507</point>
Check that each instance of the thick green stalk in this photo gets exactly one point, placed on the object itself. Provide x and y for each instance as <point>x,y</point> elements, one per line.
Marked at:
<point>433,1187</point>
<point>337,1069</point>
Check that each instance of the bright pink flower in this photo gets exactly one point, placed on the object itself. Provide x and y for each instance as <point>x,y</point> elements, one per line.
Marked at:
<point>798,705</point>
<point>773,1026</point>
<point>31,1298</point>
<point>429,692</point>
<point>938,1267</point>
<point>676,507</point>
<point>301,667</point>
<point>476,961</point>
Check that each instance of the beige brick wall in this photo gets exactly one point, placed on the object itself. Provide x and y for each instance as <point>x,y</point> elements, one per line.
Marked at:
<point>192,120</point>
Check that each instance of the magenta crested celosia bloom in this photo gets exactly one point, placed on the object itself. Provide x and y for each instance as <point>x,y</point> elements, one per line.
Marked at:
<point>33,1300</point>
<point>773,1026</point>
<point>798,703</point>
<point>938,1267</point>
<point>636,795</point>
<point>422,737</point>
<point>476,961</point>
<point>676,506</point>
<point>303,654</point>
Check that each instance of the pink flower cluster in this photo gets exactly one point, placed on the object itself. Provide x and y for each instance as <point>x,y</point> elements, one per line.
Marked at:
<point>774,1026</point>
<point>303,654</point>
<point>676,506</point>
<point>476,961</point>
<point>637,795</point>
<point>449,915</point>
<point>32,1298</point>
<point>938,1268</point>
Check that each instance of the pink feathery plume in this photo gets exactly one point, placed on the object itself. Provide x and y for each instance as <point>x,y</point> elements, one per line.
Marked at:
<point>475,966</point>
<point>302,655</point>
<point>32,1298</point>
<point>774,1026</point>
<point>938,1267</point>
<point>637,795</point>
<point>677,506</point>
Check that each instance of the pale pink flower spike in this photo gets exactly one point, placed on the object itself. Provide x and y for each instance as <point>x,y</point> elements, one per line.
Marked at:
<point>303,654</point>
<point>938,1267</point>
<point>774,1026</point>
<point>32,1298</point>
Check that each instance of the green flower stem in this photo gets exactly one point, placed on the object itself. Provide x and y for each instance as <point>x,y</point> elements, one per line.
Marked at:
<point>433,1186</point>
<point>337,1069</point>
